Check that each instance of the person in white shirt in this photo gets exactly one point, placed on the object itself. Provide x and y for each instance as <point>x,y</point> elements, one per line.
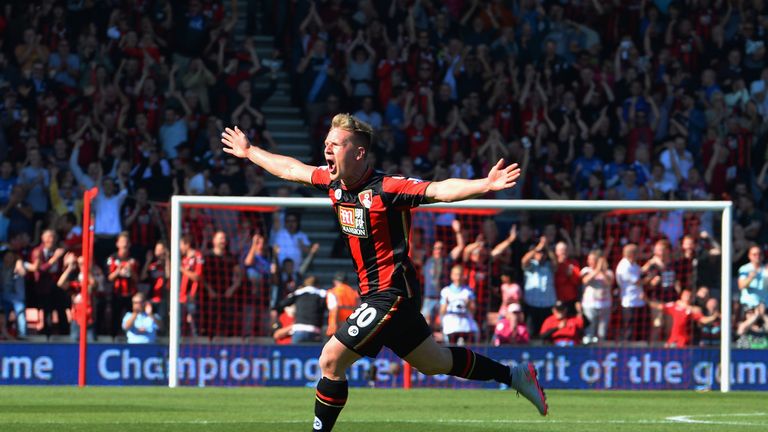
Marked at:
<point>596,300</point>
<point>291,242</point>
<point>634,315</point>
<point>457,307</point>
<point>676,160</point>
<point>141,324</point>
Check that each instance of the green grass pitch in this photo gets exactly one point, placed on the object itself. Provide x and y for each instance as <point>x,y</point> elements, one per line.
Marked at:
<point>127,409</point>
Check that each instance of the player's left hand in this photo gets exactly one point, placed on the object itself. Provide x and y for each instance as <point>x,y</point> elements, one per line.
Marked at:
<point>500,177</point>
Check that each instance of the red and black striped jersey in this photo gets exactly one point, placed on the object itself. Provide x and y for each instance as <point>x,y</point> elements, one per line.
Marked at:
<point>125,284</point>
<point>375,215</point>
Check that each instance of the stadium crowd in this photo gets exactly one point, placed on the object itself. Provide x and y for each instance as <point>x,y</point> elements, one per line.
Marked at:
<point>595,99</point>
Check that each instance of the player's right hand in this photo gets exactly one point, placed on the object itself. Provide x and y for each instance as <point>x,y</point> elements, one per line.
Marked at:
<point>235,142</point>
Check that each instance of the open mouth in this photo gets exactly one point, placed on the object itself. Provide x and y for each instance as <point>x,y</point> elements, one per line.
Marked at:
<point>331,166</point>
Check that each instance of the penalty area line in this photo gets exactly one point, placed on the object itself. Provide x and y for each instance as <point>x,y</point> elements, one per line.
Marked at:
<point>701,419</point>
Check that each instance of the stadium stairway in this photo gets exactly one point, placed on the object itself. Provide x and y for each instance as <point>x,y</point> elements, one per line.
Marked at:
<point>287,126</point>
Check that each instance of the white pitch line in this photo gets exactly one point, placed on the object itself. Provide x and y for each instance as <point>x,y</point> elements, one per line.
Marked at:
<point>689,419</point>
<point>692,419</point>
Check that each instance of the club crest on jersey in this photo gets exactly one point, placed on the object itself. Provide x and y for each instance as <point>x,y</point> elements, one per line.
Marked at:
<point>366,198</point>
<point>353,221</point>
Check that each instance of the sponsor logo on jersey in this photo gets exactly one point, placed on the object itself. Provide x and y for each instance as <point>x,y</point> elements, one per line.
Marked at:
<point>353,221</point>
<point>366,198</point>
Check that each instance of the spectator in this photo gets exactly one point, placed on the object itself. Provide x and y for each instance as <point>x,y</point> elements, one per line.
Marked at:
<point>511,293</point>
<point>123,275</point>
<point>369,115</point>
<point>141,323</point>
<point>567,279</point>
<point>634,314</point>
<point>154,275</point>
<point>222,278</point>
<point>106,209</point>
<point>457,307</point>
<point>436,272</point>
<point>191,277</point>
<point>310,304</point>
<point>511,328</point>
<point>561,329</point>
<point>257,267</point>
<point>173,132</point>
<point>45,266</point>
<point>752,278</point>
<point>709,333</point>
<point>143,222</point>
<point>683,314</point>
<point>290,240</point>
<point>12,295</point>
<point>71,281</point>
<point>17,215</point>
<point>753,329</point>
<point>7,181</point>
<point>596,299</point>
<point>36,178</point>
<point>342,300</point>
<point>659,274</point>
<point>539,294</point>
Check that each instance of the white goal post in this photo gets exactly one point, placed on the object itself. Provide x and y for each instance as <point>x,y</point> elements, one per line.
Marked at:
<point>179,201</point>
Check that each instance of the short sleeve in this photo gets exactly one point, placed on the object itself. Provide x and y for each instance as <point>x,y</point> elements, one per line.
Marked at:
<point>330,301</point>
<point>321,179</point>
<point>404,192</point>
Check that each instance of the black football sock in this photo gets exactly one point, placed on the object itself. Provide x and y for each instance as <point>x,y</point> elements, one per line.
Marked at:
<point>471,365</point>
<point>330,398</point>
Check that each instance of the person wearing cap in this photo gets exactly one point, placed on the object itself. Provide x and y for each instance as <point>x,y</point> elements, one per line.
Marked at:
<point>511,328</point>
<point>341,300</point>
<point>561,329</point>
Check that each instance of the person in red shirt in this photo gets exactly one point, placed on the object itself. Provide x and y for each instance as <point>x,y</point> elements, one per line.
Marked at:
<point>373,210</point>
<point>567,279</point>
<point>683,314</point>
<point>419,128</point>
<point>561,329</point>
<point>123,273</point>
<point>71,282</point>
<point>191,275</point>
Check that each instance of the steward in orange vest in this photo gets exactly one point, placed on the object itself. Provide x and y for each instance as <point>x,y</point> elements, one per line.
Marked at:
<point>342,300</point>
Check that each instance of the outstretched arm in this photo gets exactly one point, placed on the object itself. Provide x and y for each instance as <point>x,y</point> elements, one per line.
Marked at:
<point>287,168</point>
<point>453,189</point>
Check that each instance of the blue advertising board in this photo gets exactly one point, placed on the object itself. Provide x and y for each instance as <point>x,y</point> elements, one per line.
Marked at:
<point>267,365</point>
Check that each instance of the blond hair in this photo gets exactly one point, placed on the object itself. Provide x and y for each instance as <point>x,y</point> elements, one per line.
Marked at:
<point>362,132</point>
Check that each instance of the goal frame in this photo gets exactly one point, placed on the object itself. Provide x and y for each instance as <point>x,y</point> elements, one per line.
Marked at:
<point>725,207</point>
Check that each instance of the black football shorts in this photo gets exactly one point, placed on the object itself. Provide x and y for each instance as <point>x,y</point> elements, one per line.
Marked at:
<point>384,320</point>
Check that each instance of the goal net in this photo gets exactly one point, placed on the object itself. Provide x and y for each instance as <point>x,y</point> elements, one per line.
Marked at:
<point>599,294</point>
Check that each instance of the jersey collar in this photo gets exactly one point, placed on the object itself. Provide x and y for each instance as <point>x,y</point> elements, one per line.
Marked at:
<point>360,181</point>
